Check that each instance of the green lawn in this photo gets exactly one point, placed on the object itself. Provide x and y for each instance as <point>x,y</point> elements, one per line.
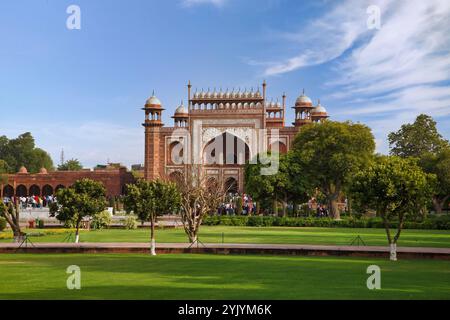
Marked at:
<point>191,276</point>
<point>213,234</point>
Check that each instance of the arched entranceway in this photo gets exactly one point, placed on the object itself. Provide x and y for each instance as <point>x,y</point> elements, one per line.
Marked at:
<point>47,190</point>
<point>8,191</point>
<point>226,149</point>
<point>35,190</point>
<point>231,185</point>
<point>175,153</point>
<point>21,191</point>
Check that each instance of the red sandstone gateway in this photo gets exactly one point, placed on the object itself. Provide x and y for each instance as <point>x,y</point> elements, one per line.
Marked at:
<point>233,115</point>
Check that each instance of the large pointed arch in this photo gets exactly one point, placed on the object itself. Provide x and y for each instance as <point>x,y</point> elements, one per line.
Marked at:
<point>226,149</point>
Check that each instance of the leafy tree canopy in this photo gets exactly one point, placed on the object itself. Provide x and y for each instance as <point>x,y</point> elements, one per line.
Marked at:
<point>328,154</point>
<point>148,199</point>
<point>85,198</point>
<point>439,164</point>
<point>417,139</point>
<point>287,184</point>
<point>397,188</point>
<point>22,151</point>
<point>70,165</point>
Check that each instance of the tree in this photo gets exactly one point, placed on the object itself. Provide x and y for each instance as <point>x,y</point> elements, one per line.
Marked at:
<point>258,185</point>
<point>84,199</point>
<point>3,176</point>
<point>70,165</point>
<point>22,151</point>
<point>417,139</point>
<point>421,140</point>
<point>396,188</point>
<point>330,153</point>
<point>200,195</point>
<point>12,215</point>
<point>287,184</point>
<point>439,165</point>
<point>149,199</point>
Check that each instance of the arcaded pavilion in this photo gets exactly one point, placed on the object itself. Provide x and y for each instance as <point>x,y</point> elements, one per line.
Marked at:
<point>221,130</point>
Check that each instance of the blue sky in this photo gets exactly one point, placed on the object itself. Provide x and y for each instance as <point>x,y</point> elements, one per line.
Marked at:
<point>82,90</point>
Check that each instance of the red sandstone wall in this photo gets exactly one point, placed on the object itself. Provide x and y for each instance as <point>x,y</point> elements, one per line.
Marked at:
<point>114,180</point>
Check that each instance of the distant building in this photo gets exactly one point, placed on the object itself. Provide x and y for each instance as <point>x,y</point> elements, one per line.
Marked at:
<point>47,183</point>
<point>137,167</point>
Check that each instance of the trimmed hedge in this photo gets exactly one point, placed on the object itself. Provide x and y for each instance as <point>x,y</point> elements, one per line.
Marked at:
<point>436,223</point>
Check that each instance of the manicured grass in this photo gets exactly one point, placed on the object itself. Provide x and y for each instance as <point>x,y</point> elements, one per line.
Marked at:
<point>190,276</point>
<point>290,235</point>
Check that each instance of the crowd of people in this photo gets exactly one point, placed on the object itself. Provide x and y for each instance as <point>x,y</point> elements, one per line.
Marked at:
<point>322,211</point>
<point>35,202</point>
<point>230,206</point>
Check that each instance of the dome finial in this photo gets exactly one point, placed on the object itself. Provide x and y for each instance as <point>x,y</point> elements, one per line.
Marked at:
<point>303,92</point>
<point>153,93</point>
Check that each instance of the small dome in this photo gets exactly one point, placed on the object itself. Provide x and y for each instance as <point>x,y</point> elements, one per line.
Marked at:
<point>318,109</point>
<point>43,171</point>
<point>153,100</point>
<point>303,99</point>
<point>23,170</point>
<point>181,109</point>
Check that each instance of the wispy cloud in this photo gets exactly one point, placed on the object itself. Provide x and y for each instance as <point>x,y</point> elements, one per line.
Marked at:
<point>325,38</point>
<point>191,3</point>
<point>383,77</point>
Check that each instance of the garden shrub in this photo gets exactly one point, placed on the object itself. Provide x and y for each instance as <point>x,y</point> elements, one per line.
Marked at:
<point>101,220</point>
<point>130,223</point>
<point>436,223</point>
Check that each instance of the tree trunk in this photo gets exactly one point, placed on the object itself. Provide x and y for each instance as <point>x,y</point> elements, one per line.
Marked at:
<point>439,204</point>
<point>393,251</point>
<point>275,206</point>
<point>193,237</point>
<point>334,208</point>
<point>294,209</point>
<point>285,207</point>
<point>152,238</point>
<point>349,206</point>
<point>77,232</point>
<point>18,236</point>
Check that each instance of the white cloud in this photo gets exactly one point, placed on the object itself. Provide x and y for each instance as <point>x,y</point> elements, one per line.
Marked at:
<point>381,77</point>
<point>191,3</point>
<point>325,38</point>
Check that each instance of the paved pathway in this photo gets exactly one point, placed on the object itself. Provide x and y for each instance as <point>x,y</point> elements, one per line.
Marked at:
<point>235,248</point>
